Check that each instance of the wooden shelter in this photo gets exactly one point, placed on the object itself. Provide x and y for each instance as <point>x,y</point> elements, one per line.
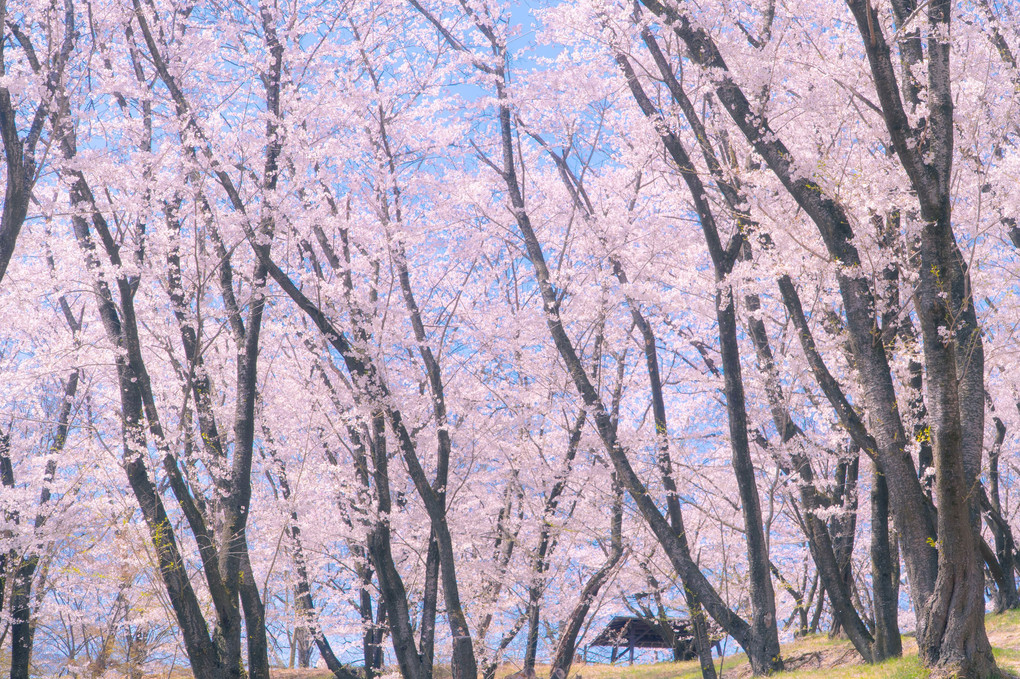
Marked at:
<point>625,633</point>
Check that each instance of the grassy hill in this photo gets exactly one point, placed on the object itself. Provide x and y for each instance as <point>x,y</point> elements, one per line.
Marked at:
<point>815,657</point>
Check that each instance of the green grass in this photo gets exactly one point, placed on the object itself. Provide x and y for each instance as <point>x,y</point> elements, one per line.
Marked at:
<point>906,667</point>
<point>1004,633</point>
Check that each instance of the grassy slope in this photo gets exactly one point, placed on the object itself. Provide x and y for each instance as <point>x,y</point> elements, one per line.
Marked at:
<point>816,657</point>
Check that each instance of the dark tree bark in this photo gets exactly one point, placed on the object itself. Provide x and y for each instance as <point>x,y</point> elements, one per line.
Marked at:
<point>843,527</point>
<point>439,563</point>
<point>489,671</point>
<point>430,601</point>
<point>1006,597</point>
<point>391,586</point>
<point>302,643</point>
<point>372,636</point>
<point>816,616</point>
<point>503,548</point>
<point>885,573</point>
<point>764,624</point>
<point>21,174</point>
<point>369,444</point>
<point>800,609</point>
<point>20,152</point>
<point>254,619</point>
<point>202,653</point>
<point>531,641</point>
<point>951,635</point>
<point>370,387</point>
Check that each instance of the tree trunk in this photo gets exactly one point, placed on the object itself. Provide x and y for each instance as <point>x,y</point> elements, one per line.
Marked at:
<point>884,574</point>
<point>202,653</point>
<point>22,629</point>
<point>1006,597</point>
<point>426,644</point>
<point>136,653</point>
<point>699,623</point>
<point>546,539</point>
<point>816,617</point>
<point>763,603</point>
<point>254,619</point>
<point>391,585</point>
<point>829,545</point>
<point>371,638</point>
<point>951,632</point>
<point>531,643</point>
<point>20,153</point>
<point>301,645</point>
<point>762,640</point>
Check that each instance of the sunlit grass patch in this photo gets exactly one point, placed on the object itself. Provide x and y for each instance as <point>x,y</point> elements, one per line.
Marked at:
<point>907,667</point>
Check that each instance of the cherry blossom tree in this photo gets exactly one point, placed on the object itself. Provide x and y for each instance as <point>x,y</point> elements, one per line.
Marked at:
<point>399,333</point>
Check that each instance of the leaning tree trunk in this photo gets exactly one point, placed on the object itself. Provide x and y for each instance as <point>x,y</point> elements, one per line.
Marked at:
<point>835,571</point>
<point>764,659</point>
<point>563,657</point>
